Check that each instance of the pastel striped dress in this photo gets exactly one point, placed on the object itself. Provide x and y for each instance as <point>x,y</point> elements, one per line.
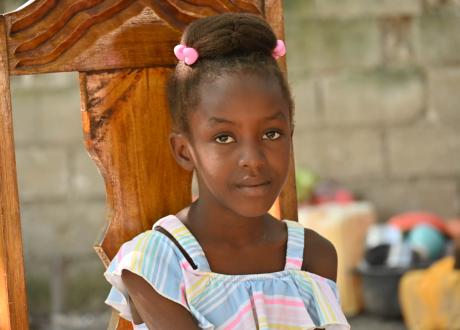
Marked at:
<point>287,299</point>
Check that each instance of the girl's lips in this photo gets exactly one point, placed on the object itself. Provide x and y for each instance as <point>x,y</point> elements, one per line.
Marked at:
<point>255,190</point>
<point>248,181</point>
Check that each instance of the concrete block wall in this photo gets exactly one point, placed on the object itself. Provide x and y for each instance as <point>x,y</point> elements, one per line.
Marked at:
<point>62,199</point>
<point>377,104</point>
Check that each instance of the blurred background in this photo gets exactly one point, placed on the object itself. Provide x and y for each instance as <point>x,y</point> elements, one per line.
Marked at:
<point>377,151</point>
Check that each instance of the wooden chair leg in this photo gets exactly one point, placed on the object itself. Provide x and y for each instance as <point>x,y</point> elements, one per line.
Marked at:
<point>13,296</point>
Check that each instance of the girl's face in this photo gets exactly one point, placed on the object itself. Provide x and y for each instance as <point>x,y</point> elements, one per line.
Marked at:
<point>240,143</point>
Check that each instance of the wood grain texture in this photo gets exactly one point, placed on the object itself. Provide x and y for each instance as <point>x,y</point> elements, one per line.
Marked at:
<point>13,299</point>
<point>126,126</point>
<point>87,35</point>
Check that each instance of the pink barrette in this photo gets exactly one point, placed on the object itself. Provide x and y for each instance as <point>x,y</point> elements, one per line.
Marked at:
<point>279,50</point>
<point>187,54</point>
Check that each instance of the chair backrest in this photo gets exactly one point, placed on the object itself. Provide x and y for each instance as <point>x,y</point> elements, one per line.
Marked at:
<point>123,52</point>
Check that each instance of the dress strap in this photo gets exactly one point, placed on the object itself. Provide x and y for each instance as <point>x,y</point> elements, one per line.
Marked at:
<point>188,244</point>
<point>295,245</point>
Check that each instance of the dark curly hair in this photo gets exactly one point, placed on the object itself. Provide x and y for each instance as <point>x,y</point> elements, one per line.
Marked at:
<point>226,43</point>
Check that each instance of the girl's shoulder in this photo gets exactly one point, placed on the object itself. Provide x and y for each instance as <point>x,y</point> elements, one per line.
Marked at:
<point>154,257</point>
<point>320,255</point>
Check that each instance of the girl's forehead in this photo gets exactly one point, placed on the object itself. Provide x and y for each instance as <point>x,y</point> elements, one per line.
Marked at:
<point>240,90</point>
<point>233,81</point>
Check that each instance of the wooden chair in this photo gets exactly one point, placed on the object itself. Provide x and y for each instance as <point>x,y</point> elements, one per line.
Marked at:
<point>122,50</point>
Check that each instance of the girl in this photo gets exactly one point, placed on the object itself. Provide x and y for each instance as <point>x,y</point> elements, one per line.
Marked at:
<point>223,262</point>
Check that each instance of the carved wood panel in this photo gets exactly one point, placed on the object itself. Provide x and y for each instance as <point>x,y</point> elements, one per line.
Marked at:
<point>86,35</point>
<point>126,125</point>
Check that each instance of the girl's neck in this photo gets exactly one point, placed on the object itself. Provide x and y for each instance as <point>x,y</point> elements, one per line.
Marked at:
<point>215,225</point>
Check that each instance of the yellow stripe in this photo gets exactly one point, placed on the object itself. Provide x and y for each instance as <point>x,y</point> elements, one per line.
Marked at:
<point>331,311</point>
<point>179,231</point>
<point>323,305</point>
<point>319,298</point>
<point>191,289</point>
<point>262,322</point>
<point>140,256</point>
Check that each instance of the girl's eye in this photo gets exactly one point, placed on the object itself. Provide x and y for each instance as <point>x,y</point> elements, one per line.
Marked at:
<point>272,135</point>
<point>224,139</point>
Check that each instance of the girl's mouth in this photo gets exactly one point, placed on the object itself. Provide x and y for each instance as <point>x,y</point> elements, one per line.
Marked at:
<point>259,189</point>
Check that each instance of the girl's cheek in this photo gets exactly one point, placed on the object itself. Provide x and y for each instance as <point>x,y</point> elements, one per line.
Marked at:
<point>215,162</point>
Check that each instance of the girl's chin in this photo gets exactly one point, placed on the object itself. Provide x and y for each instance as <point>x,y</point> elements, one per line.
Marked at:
<point>251,208</point>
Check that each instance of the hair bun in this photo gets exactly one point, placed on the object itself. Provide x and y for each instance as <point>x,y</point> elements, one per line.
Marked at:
<point>230,34</point>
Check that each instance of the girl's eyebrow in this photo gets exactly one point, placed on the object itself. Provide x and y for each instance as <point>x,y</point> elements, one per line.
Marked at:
<point>217,120</point>
<point>278,115</point>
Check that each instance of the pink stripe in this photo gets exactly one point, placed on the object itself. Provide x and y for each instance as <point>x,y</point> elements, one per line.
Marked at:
<point>239,316</point>
<point>279,301</point>
<point>284,302</point>
<point>294,261</point>
<point>185,265</point>
<point>182,294</point>
<point>120,255</point>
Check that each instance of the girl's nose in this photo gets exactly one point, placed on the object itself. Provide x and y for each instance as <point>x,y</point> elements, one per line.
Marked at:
<point>252,157</point>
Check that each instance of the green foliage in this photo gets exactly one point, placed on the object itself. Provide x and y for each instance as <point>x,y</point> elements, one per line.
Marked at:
<point>305,181</point>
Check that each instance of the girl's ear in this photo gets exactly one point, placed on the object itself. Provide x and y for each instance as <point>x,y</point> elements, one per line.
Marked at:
<point>179,145</point>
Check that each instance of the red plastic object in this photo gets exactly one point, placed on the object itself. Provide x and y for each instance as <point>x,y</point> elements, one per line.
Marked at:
<point>406,221</point>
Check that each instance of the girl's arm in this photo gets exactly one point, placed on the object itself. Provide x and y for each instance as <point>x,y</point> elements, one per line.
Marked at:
<point>320,255</point>
<point>158,312</point>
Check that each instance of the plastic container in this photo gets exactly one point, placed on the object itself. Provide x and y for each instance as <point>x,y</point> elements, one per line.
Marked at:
<point>380,285</point>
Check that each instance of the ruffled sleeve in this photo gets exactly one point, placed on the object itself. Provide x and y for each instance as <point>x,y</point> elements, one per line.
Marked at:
<point>154,257</point>
<point>322,301</point>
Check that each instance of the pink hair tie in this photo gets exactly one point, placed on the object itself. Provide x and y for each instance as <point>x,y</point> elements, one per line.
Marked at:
<point>279,50</point>
<point>187,54</point>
